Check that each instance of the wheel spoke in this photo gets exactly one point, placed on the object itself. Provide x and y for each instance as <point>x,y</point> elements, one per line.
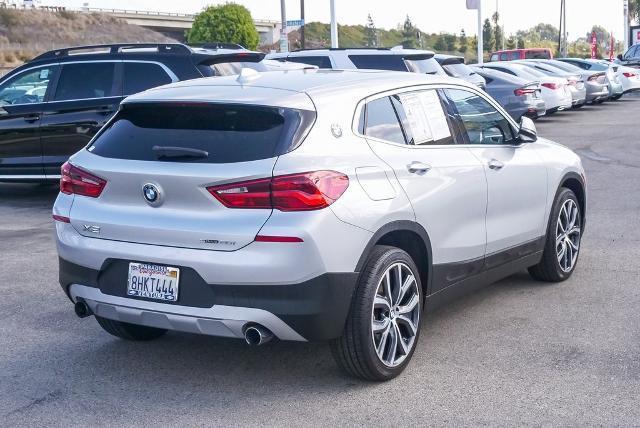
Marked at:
<point>383,342</point>
<point>410,306</point>
<point>575,230</point>
<point>387,288</point>
<point>409,323</point>
<point>393,345</point>
<point>572,244</point>
<point>562,251</point>
<point>381,302</point>
<point>403,344</point>
<point>408,282</point>
<point>380,325</point>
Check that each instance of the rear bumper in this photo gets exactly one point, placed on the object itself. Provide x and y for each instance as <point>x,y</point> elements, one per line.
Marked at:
<point>313,310</point>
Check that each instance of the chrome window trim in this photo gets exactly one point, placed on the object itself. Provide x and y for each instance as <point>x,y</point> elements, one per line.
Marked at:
<point>433,86</point>
<point>166,69</point>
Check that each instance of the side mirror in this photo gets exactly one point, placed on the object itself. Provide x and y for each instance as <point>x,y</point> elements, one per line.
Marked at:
<point>527,133</point>
<point>620,57</point>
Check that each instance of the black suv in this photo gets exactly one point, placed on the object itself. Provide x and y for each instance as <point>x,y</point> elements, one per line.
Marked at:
<point>53,105</point>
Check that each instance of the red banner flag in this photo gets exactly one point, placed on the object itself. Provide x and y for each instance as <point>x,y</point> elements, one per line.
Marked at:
<point>594,45</point>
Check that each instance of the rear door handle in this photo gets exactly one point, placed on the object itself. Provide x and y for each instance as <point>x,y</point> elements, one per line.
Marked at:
<point>416,167</point>
<point>30,118</point>
<point>495,164</point>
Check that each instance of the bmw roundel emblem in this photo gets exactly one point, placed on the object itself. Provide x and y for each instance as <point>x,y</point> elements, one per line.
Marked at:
<point>151,193</point>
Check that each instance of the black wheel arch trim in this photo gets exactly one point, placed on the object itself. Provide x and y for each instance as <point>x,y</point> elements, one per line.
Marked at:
<point>582,199</point>
<point>397,226</point>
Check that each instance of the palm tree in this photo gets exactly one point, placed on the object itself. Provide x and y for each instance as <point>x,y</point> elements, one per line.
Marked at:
<point>634,10</point>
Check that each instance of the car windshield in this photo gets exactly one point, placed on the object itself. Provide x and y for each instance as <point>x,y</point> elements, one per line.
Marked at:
<point>458,70</point>
<point>229,68</point>
<point>423,66</point>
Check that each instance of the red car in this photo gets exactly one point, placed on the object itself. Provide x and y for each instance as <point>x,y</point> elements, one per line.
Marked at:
<point>514,54</point>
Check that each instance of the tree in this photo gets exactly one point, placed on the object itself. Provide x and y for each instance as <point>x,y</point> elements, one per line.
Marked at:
<point>463,41</point>
<point>603,36</point>
<point>634,10</point>
<point>229,23</point>
<point>487,36</point>
<point>450,41</point>
<point>370,33</point>
<point>497,31</point>
<point>441,43</point>
<point>408,34</point>
<point>512,42</point>
<point>521,43</point>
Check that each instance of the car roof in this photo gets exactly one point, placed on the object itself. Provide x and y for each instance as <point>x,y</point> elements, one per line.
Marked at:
<point>499,75</point>
<point>316,83</point>
<point>444,59</point>
<point>363,51</point>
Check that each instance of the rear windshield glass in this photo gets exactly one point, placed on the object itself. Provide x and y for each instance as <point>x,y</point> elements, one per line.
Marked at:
<point>319,61</point>
<point>206,133</point>
<point>379,62</point>
<point>458,70</point>
<point>229,68</point>
<point>537,55</point>
<point>424,66</point>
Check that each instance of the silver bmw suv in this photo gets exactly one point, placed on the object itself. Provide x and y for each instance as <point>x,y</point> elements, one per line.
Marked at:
<point>305,205</point>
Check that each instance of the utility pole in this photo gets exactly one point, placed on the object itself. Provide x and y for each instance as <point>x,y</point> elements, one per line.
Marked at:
<point>303,24</point>
<point>563,28</point>
<point>334,25</point>
<point>284,42</point>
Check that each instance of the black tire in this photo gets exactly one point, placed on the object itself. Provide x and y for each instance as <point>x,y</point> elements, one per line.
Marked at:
<point>549,268</point>
<point>354,351</point>
<point>128,331</point>
<point>578,106</point>
<point>617,97</point>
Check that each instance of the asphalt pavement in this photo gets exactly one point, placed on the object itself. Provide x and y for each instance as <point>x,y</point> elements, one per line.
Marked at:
<point>518,352</point>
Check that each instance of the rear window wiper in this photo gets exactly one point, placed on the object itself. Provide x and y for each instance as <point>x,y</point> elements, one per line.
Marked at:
<point>179,152</point>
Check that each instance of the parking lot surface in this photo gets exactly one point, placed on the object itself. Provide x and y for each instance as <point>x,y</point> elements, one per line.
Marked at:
<point>518,352</point>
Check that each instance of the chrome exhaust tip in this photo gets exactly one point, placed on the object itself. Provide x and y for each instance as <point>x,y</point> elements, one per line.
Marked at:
<point>256,335</point>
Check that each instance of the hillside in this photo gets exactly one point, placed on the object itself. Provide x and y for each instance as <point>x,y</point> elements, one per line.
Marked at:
<point>26,33</point>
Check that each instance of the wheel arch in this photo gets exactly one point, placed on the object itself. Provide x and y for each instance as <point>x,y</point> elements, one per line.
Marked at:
<point>410,237</point>
<point>576,183</point>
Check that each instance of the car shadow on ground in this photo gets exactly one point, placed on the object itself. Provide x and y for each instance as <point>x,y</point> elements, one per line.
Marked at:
<point>28,193</point>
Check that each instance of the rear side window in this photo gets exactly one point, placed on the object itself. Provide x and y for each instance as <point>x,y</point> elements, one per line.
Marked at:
<point>504,57</point>
<point>379,62</point>
<point>423,118</point>
<point>382,121</point>
<point>537,55</point>
<point>217,133</point>
<point>515,55</point>
<point>85,80</point>
<point>140,76</point>
<point>319,61</point>
<point>494,57</point>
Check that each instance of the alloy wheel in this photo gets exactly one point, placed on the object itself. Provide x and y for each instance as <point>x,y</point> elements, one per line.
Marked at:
<point>395,315</point>
<point>568,235</point>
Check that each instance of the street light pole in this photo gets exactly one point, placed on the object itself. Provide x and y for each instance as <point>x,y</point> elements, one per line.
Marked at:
<point>625,12</point>
<point>480,41</point>
<point>284,43</point>
<point>303,24</point>
<point>334,25</point>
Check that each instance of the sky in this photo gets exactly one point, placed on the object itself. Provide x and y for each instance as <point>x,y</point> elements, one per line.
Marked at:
<point>432,16</point>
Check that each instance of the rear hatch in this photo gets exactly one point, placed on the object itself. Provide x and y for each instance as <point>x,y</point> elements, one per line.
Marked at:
<point>180,149</point>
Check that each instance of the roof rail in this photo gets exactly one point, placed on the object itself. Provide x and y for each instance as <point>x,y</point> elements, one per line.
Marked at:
<point>114,48</point>
<point>340,49</point>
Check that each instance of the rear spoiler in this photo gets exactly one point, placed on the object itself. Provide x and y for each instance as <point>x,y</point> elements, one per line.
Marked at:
<point>451,60</point>
<point>418,57</point>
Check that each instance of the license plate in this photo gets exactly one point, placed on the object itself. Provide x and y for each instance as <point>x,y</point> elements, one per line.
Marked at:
<point>153,281</point>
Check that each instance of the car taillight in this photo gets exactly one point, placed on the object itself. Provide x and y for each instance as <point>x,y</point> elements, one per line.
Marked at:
<point>75,181</point>
<point>628,74</point>
<point>295,192</point>
<point>553,86</point>
<point>524,91</point>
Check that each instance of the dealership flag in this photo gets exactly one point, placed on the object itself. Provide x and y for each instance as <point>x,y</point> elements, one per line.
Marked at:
<point>472,4</point>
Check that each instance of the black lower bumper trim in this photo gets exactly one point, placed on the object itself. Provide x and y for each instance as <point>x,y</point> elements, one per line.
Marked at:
<point>316,309</point>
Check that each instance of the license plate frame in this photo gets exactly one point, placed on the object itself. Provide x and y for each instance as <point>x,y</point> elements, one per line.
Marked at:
<point>153,281</point>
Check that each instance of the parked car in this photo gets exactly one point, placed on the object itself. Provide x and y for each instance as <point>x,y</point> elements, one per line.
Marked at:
<point>310,205</point>
<point>515,54</point>
<point>518,96</point>
<point>573,80</point>
<point>52,106</point>
<point>616,90</point>
<point>454,66</point>
<point>554,92</point>
<point>595,82</point>
<point>392,59</point>
<point>631,58</point>
<point>629,77</point>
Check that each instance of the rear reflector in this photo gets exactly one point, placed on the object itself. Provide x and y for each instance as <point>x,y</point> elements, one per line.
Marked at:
<point>266,238</point>
<point>629,74</point>
<point>296,192</point>
<point>75,181</point>
<point>61,218</point>
<point>524,91</point>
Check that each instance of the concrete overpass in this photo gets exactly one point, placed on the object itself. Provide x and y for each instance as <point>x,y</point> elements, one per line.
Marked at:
<point>174,25</point>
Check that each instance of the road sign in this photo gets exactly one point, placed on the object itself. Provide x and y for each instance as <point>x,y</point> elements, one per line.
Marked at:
<point>472,4</point>
<point>295,23</point>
